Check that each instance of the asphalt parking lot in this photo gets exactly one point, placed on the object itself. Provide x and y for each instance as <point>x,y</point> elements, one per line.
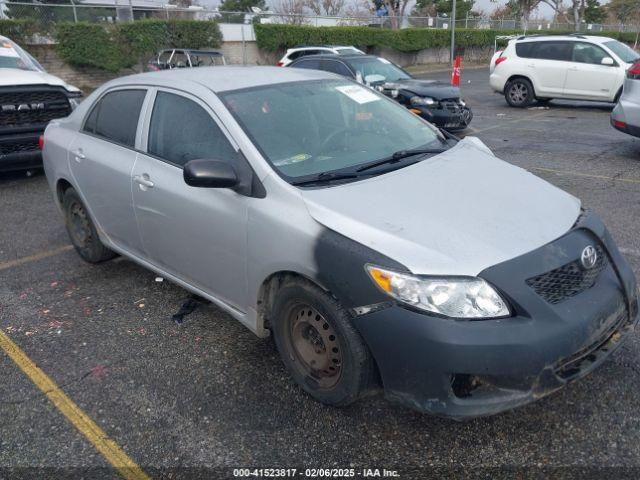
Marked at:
<point>206,396</point>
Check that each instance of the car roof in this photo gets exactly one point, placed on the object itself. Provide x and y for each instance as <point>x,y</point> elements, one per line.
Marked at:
<point>573,36</point>
<point>345,58</point>
<point>192,51</point>
<point>320,46</point>
<point>223,78</point>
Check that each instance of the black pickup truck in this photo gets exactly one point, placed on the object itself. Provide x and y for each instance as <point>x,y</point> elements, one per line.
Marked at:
<point>29,99</point>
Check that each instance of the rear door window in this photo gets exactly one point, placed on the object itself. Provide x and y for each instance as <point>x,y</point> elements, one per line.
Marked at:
<point>181,130</point>
<point>115,116</point>
<point>334,66</point>
<point>312,63</point>
<point>553,51</point>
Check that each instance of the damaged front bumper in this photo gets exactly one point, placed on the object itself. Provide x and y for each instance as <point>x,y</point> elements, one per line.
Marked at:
<point>558,333</point>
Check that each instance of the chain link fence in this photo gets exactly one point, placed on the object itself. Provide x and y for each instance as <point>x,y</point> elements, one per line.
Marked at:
<point>128,10</point>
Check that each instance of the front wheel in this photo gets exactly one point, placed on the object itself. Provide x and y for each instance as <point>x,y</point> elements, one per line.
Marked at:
<point>319,346</point>
<point>519,93</point>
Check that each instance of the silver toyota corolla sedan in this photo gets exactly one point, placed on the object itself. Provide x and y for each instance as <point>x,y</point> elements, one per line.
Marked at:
<point>377,251</point>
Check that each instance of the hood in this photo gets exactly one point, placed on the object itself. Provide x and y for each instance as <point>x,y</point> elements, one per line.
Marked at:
<point>18,77</point>
<point>428,88</point>
<point>456,213</point>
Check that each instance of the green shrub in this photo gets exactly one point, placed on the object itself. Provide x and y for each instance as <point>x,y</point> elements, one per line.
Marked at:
<point>194,34</point>
<point>275,37</point>
<point>20,31</point>
<point>90,45</point>
<point>113,47</point>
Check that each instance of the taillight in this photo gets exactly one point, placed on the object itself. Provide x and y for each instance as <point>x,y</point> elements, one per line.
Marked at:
<point>619,124</point>
<point>41,142</point>
<point>634,71</point>
<point>499,60</point>
<point>280,64</point>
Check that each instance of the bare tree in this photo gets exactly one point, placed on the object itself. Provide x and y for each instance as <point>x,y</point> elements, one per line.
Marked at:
<point>357,13</point>
<point>331,8</point>
<point>291,11</point>
<point>396,10</point>
<point>526,7</point>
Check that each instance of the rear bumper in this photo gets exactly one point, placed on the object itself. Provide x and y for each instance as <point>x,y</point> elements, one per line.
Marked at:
<point>461,369</point>
<point>20,152</point>
<point>497,82</point>
<point>626,117</point>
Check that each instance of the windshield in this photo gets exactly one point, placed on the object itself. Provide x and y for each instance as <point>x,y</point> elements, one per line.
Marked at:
<point>626,53</point>
<point>12,56</point>
<point>375,70</point>
<point>307,128</point>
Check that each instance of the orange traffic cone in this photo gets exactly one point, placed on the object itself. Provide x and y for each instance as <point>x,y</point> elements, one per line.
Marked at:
<point>455,76</point>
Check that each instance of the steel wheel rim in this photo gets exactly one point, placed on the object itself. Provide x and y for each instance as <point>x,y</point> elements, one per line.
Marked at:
<point>79,225</point>
<point>518,93</point>
<point>315,346</point>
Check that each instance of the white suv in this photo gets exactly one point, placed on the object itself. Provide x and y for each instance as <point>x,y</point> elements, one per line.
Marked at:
<point>303,50</point>
<point>575,67</point>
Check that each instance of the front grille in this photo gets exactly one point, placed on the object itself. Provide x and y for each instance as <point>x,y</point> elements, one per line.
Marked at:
<point>32,106</point>
<point>451,104</point>
<point>569,280</point>
<point>19,146</point>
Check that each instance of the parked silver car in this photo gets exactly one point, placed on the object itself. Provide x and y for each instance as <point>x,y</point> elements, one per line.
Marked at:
<point>375,250</point>
<point>626,114</point>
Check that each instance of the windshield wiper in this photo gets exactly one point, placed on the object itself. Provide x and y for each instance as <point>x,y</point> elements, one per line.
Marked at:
<point>399,155</point>
<point>326,177</point>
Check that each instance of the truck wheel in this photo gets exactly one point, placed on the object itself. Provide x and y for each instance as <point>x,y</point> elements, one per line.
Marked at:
<point>519,93</point>
<point>321,349</point>
<point>82,231</point>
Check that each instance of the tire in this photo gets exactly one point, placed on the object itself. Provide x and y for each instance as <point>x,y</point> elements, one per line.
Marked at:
<point>82,231</point>
<point>519,93</point>
<point>310,327</point>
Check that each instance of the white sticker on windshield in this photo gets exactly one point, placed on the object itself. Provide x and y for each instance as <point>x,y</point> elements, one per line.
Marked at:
<point>358,94</point>
<point>384,60</point>
<point>6,50</point>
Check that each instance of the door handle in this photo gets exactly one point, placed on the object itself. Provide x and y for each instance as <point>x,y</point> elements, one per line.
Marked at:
<point>78,155</point>
<point>143,181</point>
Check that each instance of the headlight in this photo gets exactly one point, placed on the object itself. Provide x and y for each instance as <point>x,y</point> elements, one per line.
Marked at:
<point>463,103</point>
<point>462,297</point>
<point>427,101</point>
<point>75,97</point>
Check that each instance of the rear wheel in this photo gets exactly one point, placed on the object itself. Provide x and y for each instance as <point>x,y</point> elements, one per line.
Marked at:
<point>519,93</point>
<point>319,346</point>
<point>82,231</point>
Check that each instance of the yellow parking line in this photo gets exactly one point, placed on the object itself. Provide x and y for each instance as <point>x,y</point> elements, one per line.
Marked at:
<point>33,258</point>
<point>106,446</point>
<point>588,175</point>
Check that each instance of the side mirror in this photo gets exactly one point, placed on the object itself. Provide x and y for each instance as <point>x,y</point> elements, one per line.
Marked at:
<point>210,174</point>
<point>607,61</point>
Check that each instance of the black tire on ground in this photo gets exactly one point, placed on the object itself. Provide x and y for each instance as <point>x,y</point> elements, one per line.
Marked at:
<point>319,346</point>
<point>519,93</point>
<point>82,231</point>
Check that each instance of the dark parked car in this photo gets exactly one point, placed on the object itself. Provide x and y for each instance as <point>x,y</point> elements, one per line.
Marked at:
<point>437,102</point>
<point>185,58</point>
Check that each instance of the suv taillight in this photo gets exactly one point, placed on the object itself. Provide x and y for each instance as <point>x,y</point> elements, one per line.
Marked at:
<point>41,142</point>
<point>634,71</point>
<point>280,64</point>
<point>499,60</point>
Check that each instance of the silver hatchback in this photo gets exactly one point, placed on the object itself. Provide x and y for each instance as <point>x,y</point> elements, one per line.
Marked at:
<point>378,252</point>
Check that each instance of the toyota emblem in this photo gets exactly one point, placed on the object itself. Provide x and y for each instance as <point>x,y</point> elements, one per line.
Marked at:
<point>589,257</point>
